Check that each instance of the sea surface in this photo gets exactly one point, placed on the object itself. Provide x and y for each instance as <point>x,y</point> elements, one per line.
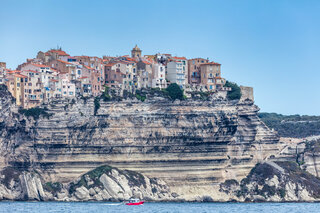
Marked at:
<point>47,207</point>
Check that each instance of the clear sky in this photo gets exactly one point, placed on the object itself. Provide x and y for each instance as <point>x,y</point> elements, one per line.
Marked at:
<point>271,45</point>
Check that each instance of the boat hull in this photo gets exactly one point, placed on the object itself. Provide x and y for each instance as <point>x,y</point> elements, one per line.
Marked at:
<point>135,204</point>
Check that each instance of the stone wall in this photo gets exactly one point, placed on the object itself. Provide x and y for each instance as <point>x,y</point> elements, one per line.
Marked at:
<point>246,93</point>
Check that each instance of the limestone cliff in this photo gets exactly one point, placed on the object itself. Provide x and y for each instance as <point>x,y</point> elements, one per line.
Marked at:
<point>191,145</point>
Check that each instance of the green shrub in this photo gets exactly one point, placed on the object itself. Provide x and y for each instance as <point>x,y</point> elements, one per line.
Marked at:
<point>105,96</point>
<point>175,92</point>
<point>52,187</point>
<point>140,97</point>
<point>36,112</point>
<point>96,105</point>
<point>235,92</point>
<point>282,193</point>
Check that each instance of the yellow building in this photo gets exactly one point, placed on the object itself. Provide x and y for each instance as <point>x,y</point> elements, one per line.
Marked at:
<point>15,85</point>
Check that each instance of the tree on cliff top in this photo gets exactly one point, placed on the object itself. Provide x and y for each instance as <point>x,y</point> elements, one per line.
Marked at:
<point>175,92</point>
<point>235,92</point>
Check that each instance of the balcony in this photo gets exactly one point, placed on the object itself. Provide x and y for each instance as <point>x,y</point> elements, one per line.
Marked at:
<point>195,79</point>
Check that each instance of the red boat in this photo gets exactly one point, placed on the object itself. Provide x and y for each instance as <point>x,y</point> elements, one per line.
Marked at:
<point>134,202</point>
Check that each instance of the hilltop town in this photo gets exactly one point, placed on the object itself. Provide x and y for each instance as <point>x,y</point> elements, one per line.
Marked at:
<point>56,74</point>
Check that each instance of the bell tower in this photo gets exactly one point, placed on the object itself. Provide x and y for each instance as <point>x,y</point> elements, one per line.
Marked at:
<point>136,52</point>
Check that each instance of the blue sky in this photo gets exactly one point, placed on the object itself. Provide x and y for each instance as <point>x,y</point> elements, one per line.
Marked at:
<point>271,45</point>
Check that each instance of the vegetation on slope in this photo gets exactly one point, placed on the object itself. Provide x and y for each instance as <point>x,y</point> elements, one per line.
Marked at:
<point>36,112</point>
<point>235,92</point>
<point>292,125</point>
<point>175,92</point>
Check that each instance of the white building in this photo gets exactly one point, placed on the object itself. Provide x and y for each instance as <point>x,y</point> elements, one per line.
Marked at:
<point>67,88</point>
<point>177,71</point>
<point>159,76</point>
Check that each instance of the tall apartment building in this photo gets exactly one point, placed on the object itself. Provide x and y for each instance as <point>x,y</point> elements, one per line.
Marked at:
<point>210,72</point>
<point>159,76</point>
<point>194,70</point>
<point>177,71</point>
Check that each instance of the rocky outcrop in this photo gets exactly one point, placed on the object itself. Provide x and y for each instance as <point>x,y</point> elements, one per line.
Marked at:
<point>276,182</point>
<point>104,183</point>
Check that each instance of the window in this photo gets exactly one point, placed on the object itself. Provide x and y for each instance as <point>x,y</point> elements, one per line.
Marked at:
<point>70,93</point>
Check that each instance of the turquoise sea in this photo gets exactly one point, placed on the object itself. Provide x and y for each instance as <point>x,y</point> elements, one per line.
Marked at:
<point>48,207</point>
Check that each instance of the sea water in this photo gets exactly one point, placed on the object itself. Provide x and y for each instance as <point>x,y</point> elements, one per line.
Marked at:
<point>66,207</point>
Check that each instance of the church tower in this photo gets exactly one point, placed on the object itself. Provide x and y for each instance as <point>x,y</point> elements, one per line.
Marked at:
<point>136,52</point>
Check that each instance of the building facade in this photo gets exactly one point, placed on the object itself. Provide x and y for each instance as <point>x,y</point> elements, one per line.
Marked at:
<point>194,76</point>
<point>177,71</point>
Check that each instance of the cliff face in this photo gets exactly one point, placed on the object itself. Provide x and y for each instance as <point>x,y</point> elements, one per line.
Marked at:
<point>192,145</point>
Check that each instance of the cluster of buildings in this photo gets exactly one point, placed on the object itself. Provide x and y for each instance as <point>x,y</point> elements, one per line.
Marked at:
<point>55,74</point>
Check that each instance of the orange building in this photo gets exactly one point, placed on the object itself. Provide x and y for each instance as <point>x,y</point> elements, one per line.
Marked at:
<point>210,72</point>
<point>194,70</point>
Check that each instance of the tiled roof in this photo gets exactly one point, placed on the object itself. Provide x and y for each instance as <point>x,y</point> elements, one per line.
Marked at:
<point>20,76</point>
<point>59,52</point>
<point>30,71</point>
<point>210,63</point>
<point>13,72</point>
<point>89,68</point>
<point>40,65</point>
<point>110,64</point>
<point>65,62</point>
<point>197,59</point>
<point>146,62</point>
<point>180,58</point>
